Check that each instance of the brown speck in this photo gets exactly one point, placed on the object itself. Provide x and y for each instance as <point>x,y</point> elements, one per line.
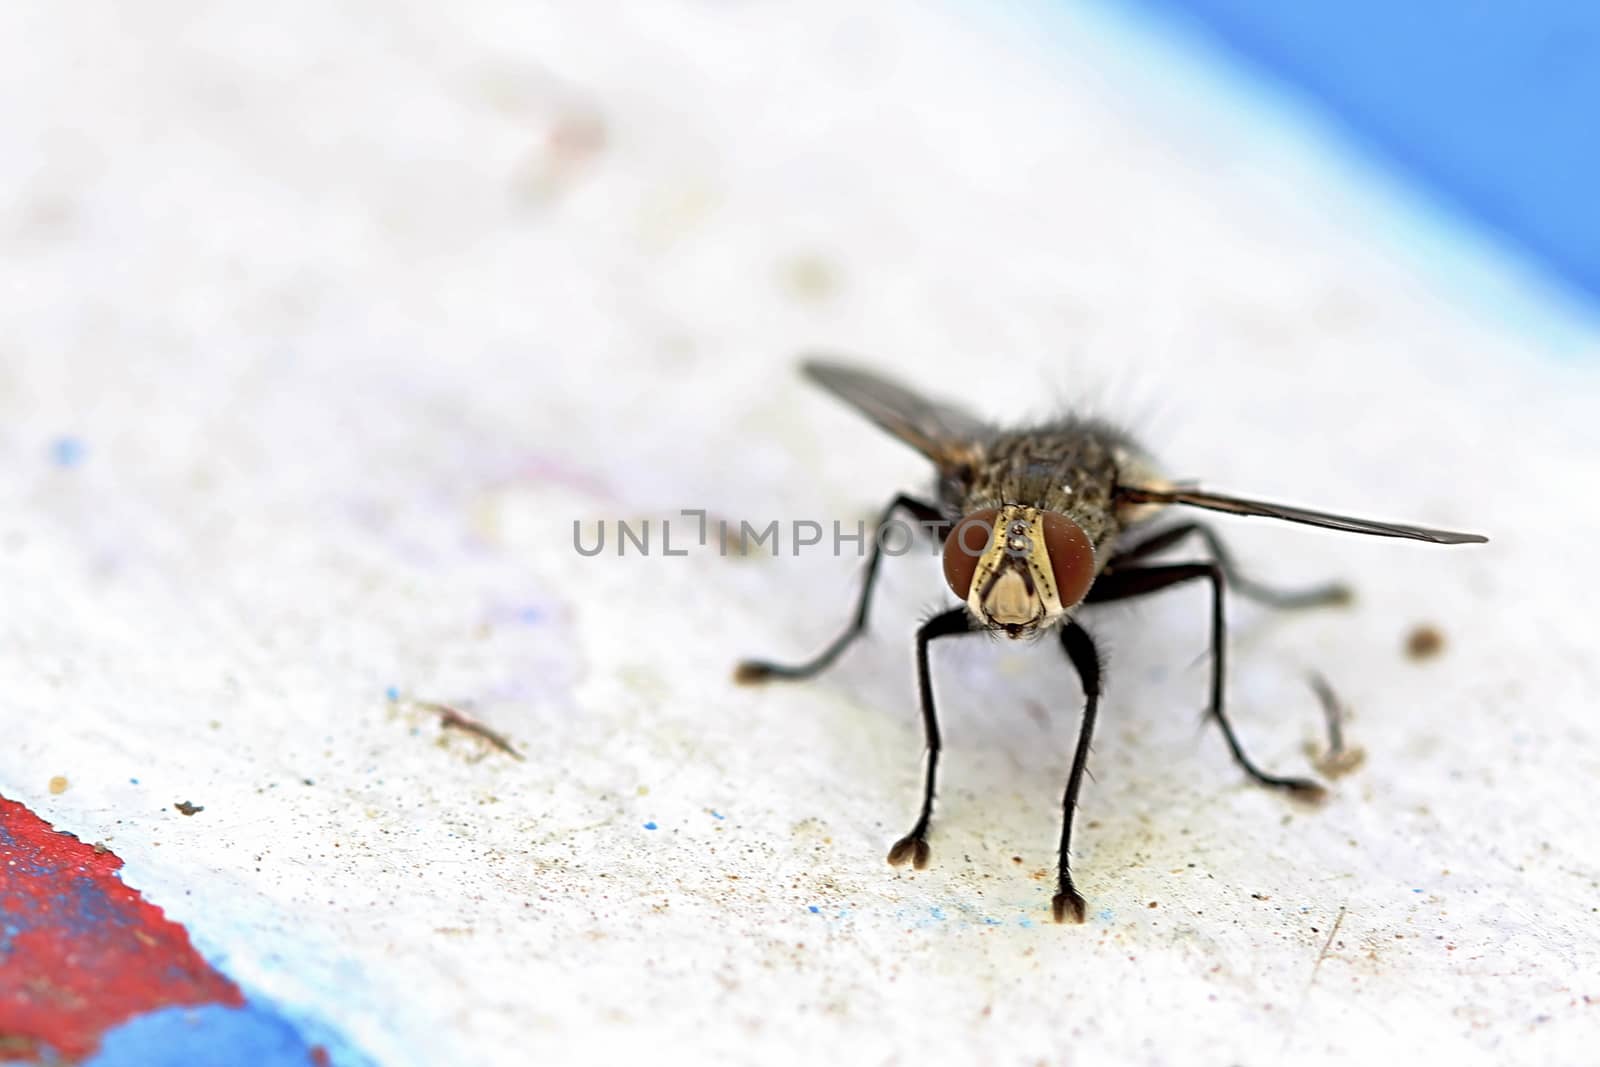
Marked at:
<point>58,785</point>
<point>577,136</point>
<point>571,145</point>
<point>1152,904</point>
<point>1016,859</point>
<point>810,277</point>
<point>1337,765</point>
<point>1259,896</point>
<point>1424,642</point>
<point>186,808</point>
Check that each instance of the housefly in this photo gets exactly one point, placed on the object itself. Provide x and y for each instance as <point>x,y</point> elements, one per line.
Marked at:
<point>1037,523</point>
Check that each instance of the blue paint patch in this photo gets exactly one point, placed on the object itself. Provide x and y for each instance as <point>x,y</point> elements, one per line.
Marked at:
<point>987,921</point>
<point>1025,923</point>
<point>1105,915</point>
<point>1416,890</point>
<point>217,1036</point>
<point>1490,105</point>
<point>68,451</point>
<point>937,913</point>
<point>718,815</point>
<point>392,694</point>
<point>133,781</point>
<point>649,826</point>
<point>815,910</point>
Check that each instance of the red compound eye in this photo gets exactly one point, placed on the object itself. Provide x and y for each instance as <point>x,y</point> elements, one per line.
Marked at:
<point>965,546</point>
<point>1071,558</point>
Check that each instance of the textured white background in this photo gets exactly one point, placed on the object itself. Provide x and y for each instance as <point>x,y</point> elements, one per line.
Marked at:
<point>354,311</point>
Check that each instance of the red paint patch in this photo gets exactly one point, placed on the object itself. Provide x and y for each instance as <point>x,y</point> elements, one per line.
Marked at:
<point>80,952</point>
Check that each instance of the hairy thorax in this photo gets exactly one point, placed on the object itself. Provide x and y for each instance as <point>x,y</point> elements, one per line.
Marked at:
<point>1070,467</point>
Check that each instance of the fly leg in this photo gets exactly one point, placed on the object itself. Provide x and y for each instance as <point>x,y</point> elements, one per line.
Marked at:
<point>1080,650</point>
<point>753,672</point>
<point>1327,595</point>
<point>914,846</point>
<point>1130,582</point>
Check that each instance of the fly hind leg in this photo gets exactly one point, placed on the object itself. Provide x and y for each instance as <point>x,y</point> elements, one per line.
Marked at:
<point>1329,594</point>
<point>1129,582</point>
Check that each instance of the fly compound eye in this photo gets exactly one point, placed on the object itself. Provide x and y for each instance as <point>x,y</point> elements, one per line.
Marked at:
<point>965,546</point>
<point>1071,558</point>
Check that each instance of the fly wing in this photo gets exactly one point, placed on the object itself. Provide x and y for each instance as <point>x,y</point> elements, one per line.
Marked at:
<point>945,434</point>
<point>1198,498</point>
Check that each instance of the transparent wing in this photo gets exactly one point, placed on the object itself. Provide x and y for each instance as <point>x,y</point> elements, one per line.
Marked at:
<point>1195,497</point>
<point>945,434</point>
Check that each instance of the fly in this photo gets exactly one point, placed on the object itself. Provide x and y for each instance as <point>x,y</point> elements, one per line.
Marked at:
<point>1037,523</point>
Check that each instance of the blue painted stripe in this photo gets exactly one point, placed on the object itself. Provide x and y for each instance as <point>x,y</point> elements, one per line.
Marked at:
<point>1494,107</point>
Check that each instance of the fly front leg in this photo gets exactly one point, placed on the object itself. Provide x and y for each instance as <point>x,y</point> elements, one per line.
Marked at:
<point>753,672</point>
<point>1079,646</point>
<point>914,846</point>
<point>1131,582</point>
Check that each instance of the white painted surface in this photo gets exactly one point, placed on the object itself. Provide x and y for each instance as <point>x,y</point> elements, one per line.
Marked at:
<point>349,348</point>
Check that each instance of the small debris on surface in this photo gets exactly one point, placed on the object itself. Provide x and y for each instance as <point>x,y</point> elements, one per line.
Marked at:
<point>1425,641</point>
<point>570,145</point>
<point>186,808</point>
<point>459,719</point>
<point>809,277</point>
<point>1337,760</point>
<point>58,785</point>
<point>68,451</point>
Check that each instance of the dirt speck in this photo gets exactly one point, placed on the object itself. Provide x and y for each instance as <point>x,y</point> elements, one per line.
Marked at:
<point>810,278</point>
<point>58,785</point>
<point>570,146</point>
<point>186,808</point>
<point>1424,642</point>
